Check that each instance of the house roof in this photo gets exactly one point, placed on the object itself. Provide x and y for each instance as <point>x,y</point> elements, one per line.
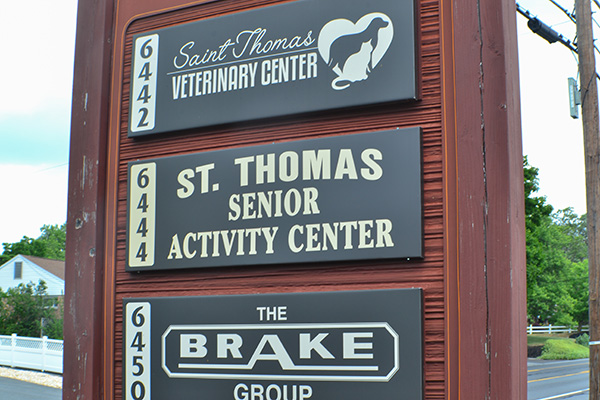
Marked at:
<point>55,267</point>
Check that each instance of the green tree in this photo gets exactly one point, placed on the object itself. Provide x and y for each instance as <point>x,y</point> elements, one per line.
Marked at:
<point>557,287</point>
<point>54,238</point>
<point>536,209</point>
<point>25,307</point>
<point>574,229</point>
<point>580,292</point>
<point>50,244</point>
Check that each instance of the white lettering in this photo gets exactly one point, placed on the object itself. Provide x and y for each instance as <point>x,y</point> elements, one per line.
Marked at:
<point>292,236</point>
<point>345,165</point>
<point>273,391</point>
<point>198,243</point>
<point>234,206</point>
<point>305,392</point>
<point>240,392</point>
<point>184,180</point>
<point>244,162</point>
<point>374,171</point>
<point>311,164</point>
<point>316,164</point>
<point>175,250</point>
<point>364,234</point>
<point>229,342</point>
<point>288,166</point>
<point>351,345</point>
<point>186,245</point>
<point>277,313</point>
<point>279,353</point>
<point>192,345</point>
<point>263,168</point>
<point>307,345</point>
<point>384,229</point>
<point>204,180</point>
<point>256,205</point>
<point>270,237</point>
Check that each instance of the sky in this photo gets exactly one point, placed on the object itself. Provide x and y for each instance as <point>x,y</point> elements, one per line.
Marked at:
<point>36,73</point>
<point>552,140</point>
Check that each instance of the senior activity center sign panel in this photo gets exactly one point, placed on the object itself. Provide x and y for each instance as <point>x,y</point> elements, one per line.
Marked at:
<point>296,57</point>
<point>347,197</point>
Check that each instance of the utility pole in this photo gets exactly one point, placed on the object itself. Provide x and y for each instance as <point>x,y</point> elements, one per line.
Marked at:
<point>591,139</point>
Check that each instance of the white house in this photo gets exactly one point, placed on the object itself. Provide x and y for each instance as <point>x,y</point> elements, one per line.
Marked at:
<point>25,269</point>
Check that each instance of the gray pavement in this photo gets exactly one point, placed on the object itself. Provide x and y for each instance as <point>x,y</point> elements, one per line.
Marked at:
<point>557,380</point>
<point>13,389</point>
<point>546,380</point>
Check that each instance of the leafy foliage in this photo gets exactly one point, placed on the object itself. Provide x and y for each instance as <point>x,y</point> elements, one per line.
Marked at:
<point>557,267</point>
<point>561,349</point>
<point>50,244</point>
<point>583,340</point>
<point>25,308</point>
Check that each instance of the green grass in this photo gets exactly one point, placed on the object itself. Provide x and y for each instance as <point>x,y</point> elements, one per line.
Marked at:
<point>563,349</point>
<point>536,340</point>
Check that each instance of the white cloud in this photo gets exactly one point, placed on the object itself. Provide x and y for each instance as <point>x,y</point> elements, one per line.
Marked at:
<point>32,195</point>
<point>552,140</point>
<point>37,49</point>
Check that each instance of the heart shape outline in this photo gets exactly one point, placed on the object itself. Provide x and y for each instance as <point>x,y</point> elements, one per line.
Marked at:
<point>344,28</point>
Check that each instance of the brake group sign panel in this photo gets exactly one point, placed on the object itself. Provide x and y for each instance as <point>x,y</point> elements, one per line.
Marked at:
<point>319,346</point>
<point>349,197</point>
<point>292,58</point>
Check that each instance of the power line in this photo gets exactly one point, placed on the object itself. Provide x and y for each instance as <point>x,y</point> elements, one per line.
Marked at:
<point>51,167</point>
<point>546,32</point>
<point>567,13</point>
<point>543,30</point>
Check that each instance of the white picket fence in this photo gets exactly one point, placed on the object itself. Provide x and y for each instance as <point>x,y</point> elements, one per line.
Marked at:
<point>531,329</point>
<point>40,354</point>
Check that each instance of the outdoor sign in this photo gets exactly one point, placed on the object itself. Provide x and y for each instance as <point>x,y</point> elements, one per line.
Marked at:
<point>320,346</point>
<point>346,197</point>
<point>296,57</point>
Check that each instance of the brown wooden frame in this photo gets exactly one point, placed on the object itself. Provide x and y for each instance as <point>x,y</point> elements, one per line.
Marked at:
<point>475,315</point>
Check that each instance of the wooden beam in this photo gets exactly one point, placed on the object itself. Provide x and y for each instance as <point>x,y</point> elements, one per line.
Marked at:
<point>85,216</point>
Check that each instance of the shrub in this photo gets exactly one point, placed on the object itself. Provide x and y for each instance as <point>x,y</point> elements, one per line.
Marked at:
<point>583,340</point>
<point>561,349</point>
<point>25,307</point>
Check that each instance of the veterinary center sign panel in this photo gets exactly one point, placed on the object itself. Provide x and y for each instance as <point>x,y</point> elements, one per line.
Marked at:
<point>285,59</point>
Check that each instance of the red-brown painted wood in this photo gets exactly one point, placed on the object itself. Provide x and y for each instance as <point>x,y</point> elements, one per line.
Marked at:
<point>491,238</point>
<point>428,273</point>
<point>84,267</point>
<point>472,272</point>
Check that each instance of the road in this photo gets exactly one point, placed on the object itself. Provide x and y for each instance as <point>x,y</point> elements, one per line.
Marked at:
<point>546,380</point>
<point>20,390</point>
<point>550,380</point>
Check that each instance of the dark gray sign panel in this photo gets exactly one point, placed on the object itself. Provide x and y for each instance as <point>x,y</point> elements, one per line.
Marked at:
<point>296,57</point>
<point>350,197</point>
<point>318,346</point>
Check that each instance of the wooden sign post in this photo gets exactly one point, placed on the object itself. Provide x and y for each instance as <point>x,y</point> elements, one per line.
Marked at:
<point>303,199</point>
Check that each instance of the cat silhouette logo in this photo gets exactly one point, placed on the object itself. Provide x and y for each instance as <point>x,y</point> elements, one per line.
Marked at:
<point>353,50</point>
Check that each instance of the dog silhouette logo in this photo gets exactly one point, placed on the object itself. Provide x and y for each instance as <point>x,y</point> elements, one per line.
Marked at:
<point>353,50</point>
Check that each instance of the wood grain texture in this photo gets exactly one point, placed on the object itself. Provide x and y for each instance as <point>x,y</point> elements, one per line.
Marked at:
<point>427,273</point>
<point>472,273</point>
<point>84,264</point>
<point>490,201</point>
